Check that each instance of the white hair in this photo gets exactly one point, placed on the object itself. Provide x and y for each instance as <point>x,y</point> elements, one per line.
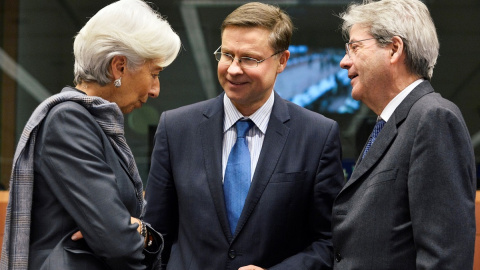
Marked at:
<point>130,28</point>
<point>408,19</point>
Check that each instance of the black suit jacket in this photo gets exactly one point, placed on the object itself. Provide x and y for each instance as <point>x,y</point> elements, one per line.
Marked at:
<point>286,220</point>
<point>410,203</point>
<point>81,184</point>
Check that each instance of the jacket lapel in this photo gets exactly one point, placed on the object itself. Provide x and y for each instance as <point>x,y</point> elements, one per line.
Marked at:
<point>383,141</point>
<point>388,133</point>
<point>273,144</point>
<point>211,132</point>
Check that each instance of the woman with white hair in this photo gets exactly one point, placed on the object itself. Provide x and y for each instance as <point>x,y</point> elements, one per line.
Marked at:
<point>76,198</point>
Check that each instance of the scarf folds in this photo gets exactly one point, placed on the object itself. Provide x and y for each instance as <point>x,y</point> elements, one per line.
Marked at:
<point>18,218</point>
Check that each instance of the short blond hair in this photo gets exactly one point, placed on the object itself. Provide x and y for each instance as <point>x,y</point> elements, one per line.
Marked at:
<point>270,17</point>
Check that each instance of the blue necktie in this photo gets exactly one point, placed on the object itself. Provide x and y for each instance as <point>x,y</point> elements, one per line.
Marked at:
<point>378,127</point>
<point>237,175</point>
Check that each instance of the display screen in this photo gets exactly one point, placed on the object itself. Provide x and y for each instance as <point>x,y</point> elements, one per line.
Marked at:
<point>313,79</point>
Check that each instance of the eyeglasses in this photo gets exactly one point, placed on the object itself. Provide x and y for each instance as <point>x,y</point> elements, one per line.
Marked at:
<point>350,49</point>
<point>244,62</point>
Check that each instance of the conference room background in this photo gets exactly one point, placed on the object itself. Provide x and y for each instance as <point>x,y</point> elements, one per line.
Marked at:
<point>36,61</point>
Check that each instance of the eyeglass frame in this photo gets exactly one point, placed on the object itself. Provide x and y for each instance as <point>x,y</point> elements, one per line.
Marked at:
<point>347,45</point>
<point>240,58</point>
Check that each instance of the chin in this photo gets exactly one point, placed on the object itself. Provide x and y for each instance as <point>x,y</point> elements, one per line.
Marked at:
<point>127,110</point>
<point>356,95</point>
<point>230,94</point>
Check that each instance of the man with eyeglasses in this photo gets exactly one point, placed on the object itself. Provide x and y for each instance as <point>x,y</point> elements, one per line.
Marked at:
<point>246,180</point>
<point>409,203</point>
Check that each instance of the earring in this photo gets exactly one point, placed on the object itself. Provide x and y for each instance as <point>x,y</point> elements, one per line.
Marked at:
<point>118,82</point>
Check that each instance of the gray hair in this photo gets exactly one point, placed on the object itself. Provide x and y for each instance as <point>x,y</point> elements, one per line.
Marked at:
<point>130,28</point>
<point>270,17</point>
<point>408,19</point>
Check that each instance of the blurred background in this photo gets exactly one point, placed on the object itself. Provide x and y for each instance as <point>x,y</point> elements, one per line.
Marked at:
<point>36,61</point>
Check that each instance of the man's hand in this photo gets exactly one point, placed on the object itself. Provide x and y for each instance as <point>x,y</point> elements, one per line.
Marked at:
<point>251,267</point>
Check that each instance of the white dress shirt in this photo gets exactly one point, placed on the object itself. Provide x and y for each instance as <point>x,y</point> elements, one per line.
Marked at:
<point>397,100</point>
<point>255,135</point>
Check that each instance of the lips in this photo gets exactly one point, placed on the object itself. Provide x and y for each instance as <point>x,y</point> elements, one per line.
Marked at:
<point>236,83</point>
<point>352,76</point>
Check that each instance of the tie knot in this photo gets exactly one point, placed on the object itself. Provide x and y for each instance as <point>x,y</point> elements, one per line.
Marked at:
<point>378,126</point>
<point>243,126</point>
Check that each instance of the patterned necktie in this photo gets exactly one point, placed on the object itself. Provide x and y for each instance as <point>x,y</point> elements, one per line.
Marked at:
<point>237,175</point>
<point>378,127</point>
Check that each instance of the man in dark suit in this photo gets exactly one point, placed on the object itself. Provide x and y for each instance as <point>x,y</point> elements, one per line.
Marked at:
<point>409,203</point>
<point>283,220</point>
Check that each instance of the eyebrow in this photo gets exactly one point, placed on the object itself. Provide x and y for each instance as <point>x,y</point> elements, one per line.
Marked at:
<point>250,54</point>
<point>157,68</point>
<point>360,39</point>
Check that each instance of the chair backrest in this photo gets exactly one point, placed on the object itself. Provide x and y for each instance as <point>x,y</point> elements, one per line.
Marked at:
<point>3,212</point>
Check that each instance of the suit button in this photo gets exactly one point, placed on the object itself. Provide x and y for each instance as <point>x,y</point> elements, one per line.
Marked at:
<point>232,254</point>
<point>338,257</point>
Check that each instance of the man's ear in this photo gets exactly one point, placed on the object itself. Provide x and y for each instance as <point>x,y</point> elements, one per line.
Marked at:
<point>283,61</point>
<point>118,66</point>
<point>396,52</point>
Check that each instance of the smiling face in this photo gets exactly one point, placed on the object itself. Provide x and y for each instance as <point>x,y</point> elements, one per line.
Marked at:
<point>368,68</point>
<point>137,86</point>
<point>249,89</point>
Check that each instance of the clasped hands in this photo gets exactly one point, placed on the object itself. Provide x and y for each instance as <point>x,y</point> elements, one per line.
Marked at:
<point>78,235</point>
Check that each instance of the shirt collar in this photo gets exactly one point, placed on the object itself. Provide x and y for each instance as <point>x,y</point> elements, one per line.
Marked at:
<point>259,118</point>
<point>397,100</point>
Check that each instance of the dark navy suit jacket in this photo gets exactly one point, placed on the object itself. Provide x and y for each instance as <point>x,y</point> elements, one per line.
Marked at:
<point>286,220</point>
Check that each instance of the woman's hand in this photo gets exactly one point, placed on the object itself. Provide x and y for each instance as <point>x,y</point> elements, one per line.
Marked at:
<point>136,220</point>
<point>77,236</point>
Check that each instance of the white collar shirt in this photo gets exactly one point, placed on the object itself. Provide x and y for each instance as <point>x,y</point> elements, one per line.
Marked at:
<point>255,135</point>
<point>397,100</point>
